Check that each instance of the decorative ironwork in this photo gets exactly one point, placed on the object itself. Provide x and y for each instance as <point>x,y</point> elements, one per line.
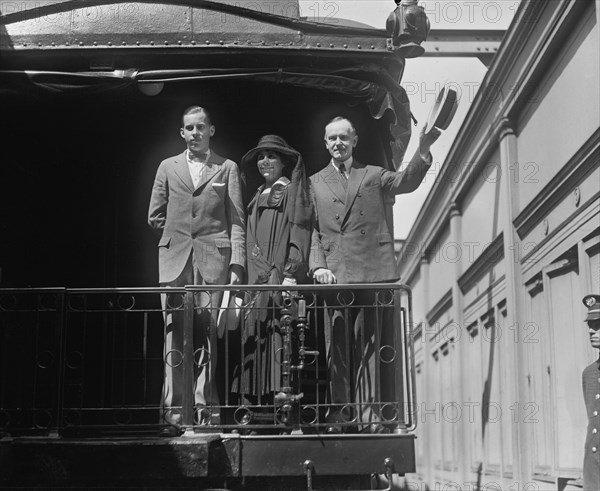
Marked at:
<point>89,360</point>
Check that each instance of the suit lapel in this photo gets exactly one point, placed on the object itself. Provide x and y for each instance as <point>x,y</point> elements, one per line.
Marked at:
<point>210,170</point>
<point>357,175</point>
<point>183,172</point>
<point>331,177</point>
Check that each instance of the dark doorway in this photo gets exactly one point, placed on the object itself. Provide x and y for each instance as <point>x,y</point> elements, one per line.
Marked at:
<point>78,169</point>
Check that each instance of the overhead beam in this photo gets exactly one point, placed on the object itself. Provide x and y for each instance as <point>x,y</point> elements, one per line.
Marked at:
<point>463,43</point>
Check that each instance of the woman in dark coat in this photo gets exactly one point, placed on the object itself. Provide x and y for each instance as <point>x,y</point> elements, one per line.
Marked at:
<point>277,245</point>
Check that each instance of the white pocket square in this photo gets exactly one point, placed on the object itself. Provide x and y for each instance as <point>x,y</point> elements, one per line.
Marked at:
<point>218,184</point>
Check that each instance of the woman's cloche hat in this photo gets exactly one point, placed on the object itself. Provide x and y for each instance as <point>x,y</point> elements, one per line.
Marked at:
<point>272,142</point>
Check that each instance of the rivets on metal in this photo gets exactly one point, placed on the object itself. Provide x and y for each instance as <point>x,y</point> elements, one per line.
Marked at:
<point>40,44</point>
<point>123,43</point>
<point>137,43</point>
<point>276,43</point>
<point>345,45</point>
<point>372,46</point>
<point>331,45</point>
<point>291,43</point>
<point>248,42</point>
<point>80,43</point>
<point>151,43</point>
<point>207,42</point>
<point>221,42</point>
<point>318,45</point>
<point>179,42</point>
<point>95,43</point>
<point>110,43</point>
<point>166,43</point>
<point>359,46</point>
<point>193,43</point>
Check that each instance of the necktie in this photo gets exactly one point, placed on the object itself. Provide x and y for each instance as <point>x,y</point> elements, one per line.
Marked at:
<point>344,176</point>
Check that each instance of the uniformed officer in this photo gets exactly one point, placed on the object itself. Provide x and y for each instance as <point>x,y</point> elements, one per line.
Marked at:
<point>591,396</point>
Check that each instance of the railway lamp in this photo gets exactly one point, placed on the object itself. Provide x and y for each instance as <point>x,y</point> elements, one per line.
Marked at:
<point>408,27</point>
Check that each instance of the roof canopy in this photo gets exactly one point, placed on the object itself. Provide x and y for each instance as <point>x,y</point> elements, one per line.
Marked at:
<point>89,45</point>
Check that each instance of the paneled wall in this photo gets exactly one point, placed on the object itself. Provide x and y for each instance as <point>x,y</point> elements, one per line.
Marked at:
<point>501,339</point>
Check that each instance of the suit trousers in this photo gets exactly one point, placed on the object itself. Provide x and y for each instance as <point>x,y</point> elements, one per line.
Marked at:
<point>206,386</point>
<point>363,358</point>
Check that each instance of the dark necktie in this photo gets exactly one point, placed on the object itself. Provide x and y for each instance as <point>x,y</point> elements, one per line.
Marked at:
<point>344,176</point>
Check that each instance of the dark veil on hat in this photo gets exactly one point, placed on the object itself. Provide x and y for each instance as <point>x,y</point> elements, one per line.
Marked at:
<point>299,207</point>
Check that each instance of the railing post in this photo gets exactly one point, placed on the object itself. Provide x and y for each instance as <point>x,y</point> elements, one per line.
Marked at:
<point>375,298</point>
<point>188,361</point>
<point>61,306</point>
<point>409,379</point>
<point>400,361</point>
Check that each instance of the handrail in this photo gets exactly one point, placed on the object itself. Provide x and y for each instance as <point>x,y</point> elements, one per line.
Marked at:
<point>169,289</point>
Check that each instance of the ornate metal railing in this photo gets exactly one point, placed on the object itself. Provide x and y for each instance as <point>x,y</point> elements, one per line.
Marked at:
<point>92,361</point>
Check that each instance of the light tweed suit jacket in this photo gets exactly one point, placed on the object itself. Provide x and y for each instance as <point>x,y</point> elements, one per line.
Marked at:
<point>209,219</point>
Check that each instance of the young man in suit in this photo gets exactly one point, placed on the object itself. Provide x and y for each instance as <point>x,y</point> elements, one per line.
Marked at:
<point>196,207</point>
<point>591,397</point>
<point>352,243</point>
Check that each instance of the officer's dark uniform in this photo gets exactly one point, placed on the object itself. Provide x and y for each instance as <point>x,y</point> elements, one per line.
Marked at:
<point>591,396</point>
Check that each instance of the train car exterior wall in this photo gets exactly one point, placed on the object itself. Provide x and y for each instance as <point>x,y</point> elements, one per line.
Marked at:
<point>504,249</point>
